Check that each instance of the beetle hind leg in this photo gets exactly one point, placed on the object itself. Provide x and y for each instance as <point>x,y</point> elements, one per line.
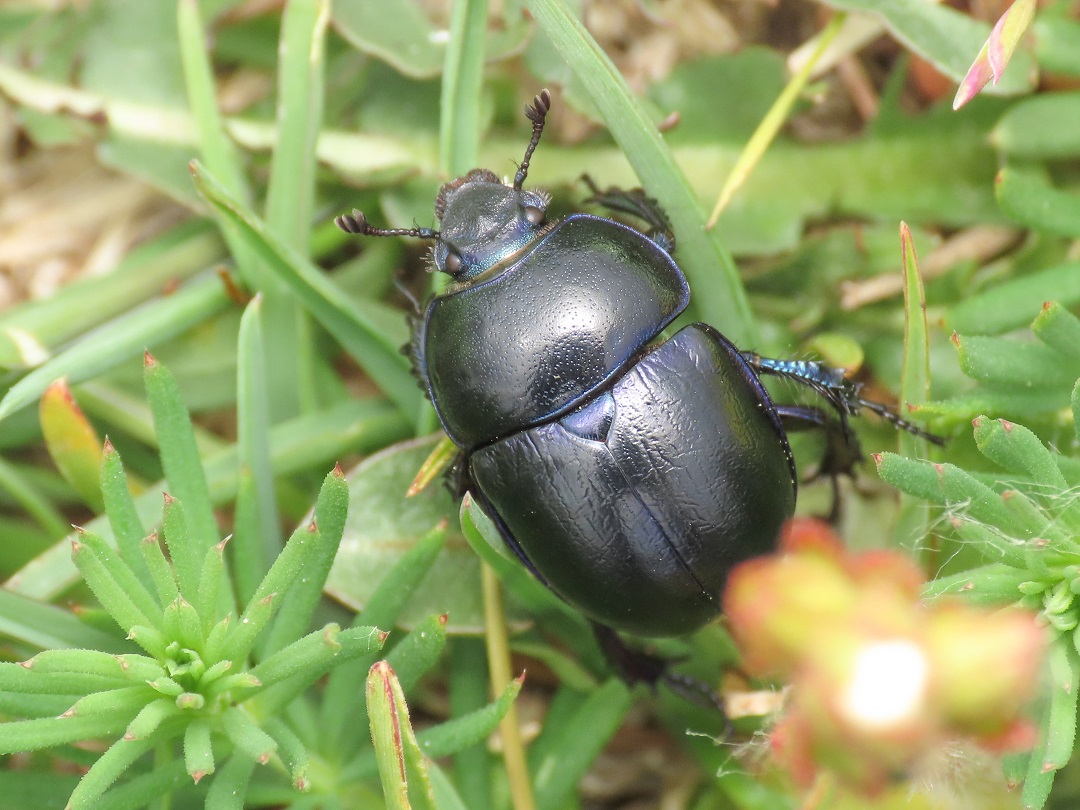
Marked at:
<point>842,450</point>
<point>635,203</point>
<point>635,666</point>
<point>842,394</point>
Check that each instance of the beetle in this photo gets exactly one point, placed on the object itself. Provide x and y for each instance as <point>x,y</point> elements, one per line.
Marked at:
<point>629,473</point>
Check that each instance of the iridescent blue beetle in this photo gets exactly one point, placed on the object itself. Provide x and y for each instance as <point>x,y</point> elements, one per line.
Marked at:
<point>628,473</point>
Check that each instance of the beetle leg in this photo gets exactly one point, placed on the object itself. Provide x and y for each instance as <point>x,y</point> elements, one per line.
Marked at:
<point>635,666</point>
<point>842,451</point>
<point>842,394</point>
<point>635,203</point>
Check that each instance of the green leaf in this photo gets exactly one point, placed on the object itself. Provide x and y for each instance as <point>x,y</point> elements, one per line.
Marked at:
<point>913,519</point>
<point>123,517</point>
<point>1018,450</point>
<point>981,503</point>
<point>34,503</point>
<point>1075,401</point>
<point>28,678</point>
<point>217,150</point>
<point>290,192</point>
<point>42,790</point>
<point>1059,329</point>
<point>459,104</point>
<point>182,551</point>
<point>1043,127</point>
<point>351,426</point>
<point>292,751</point>
<point>160,571</point>
<point>1027,197</point>
<point>401,765</point>
<point>413,656</point>
<point>120,339</point>
<point>356,643</point>
<point>84,661</point>
<point>119,570</point>
<point>110,765</point>
<point>1013,363</point>
<point>49,627</point>
<point>290,199</point>
<point>398,32</point>
<point>258,539</point>
<point>240,639</point>
<point>229,787</point>
<point>994,584</point>
<point>112,595</point>
<point>150,717</point>
<point>579,742</point>
<point>32,331</point>
<point>246,549</point>
<point>455,735</point>
<point>303,597</point>
<point>49,732</point>
<point>210,594</point>
<point>394,590</point>
<point>383,526</point>
<point>198,752</point>
<point>182,464</point>
<point>1061,728</point>
<point>182,624</point>
<point>1057,43</point>
<point>248,738</point>
<point>316,652</point>
<point>469,685</point>
<point>1014,302</point>
<point>141,790</point>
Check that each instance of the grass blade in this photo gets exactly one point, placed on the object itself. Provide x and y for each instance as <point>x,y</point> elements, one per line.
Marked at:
<point>118,340</point>
<point>258,544</point>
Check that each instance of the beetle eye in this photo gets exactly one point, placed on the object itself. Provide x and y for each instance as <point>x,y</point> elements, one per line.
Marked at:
<point>452,263</point>
<point>534,215</point>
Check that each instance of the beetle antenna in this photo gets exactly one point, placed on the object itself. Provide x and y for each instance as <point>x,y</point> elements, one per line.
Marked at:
<point>536,113</point>
<point>357,223</point>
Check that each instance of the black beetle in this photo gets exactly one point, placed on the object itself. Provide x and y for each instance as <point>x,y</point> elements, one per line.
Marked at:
<point>628,473</point>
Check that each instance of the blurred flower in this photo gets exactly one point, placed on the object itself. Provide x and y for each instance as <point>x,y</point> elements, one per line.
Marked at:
<point>879,677</point>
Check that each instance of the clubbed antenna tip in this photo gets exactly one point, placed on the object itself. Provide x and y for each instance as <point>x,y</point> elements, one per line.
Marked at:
<point>356,223</point>
<point>537,113</point>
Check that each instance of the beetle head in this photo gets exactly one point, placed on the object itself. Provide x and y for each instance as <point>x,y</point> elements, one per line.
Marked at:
<point>484,222</point>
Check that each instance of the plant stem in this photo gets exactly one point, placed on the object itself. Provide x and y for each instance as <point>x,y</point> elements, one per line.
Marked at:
<point>498,648</point>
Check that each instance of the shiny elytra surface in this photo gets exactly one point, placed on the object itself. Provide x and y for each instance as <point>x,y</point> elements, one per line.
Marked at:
<point>636,507</point>
<point>516,348</point>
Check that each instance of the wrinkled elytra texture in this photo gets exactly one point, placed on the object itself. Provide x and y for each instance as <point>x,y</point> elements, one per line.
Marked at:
<point>635,508</point>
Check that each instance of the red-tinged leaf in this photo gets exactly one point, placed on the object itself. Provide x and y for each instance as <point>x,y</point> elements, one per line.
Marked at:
<point>996,52</point>
<point>72,442</point>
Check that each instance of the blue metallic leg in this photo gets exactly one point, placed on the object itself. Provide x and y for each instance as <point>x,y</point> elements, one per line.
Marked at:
<point>841,393</point>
